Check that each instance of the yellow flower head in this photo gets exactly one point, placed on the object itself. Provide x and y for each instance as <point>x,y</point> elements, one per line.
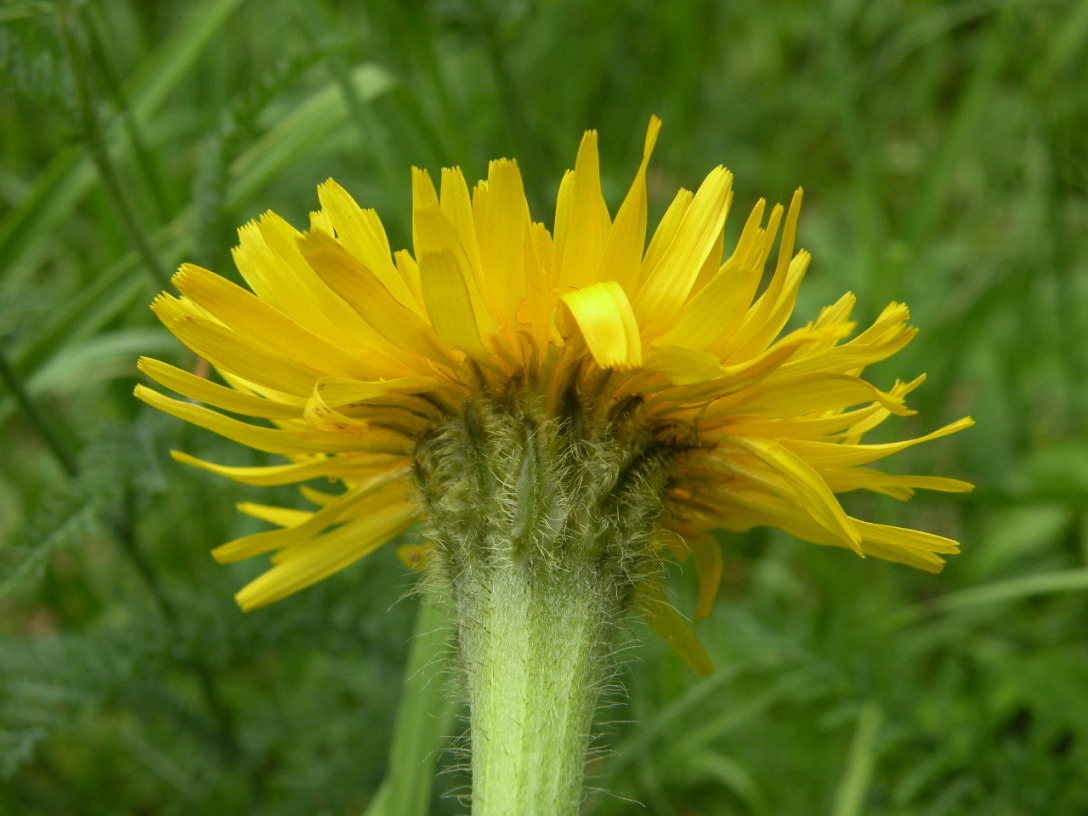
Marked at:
<point>351,359</point>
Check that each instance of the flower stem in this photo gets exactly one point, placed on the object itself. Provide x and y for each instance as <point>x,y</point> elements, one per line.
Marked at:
<point>535,649</point>
<point>541,529</point>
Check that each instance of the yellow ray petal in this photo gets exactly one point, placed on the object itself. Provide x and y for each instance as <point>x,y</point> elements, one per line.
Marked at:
<point>269,259</point>
<point>219,396</point>
<point>682,365</point>
<point>766,236</point>
<point>710,266</point>
<point>337,391</point>
<point>838,314</point>
<point>622,259</point>
<point>424,197</point>
<point>269,328</point>
<point>323,417</point>
<point>607,323</point>
<point>319,221</point>
<point>457,206</point>
<point>888,335</point>
<point>331,553</point>
<point>809,427</point>
<point>665,232</point>
<point>500,228</point>
<point>375,493</point>
<point>541,284</point>
<point>402,503</point>
<point>668,284</point>
<point>233,352</point>
<point>851,357</point>
<point>900,487</point>
<point>280,516</point>
<point>828,455</point>
<point>789,238</point>
<point>766,319</point>
<point>770,314</point>
<point>714,311</point>
<point>800,480</point>
<point>318,497</point>
<point>362,235</point>
<point>733,379</point>
<point>344,466</point>
<point>437,235</point>
<point>367,295</point>
<point>409,271</point>
<point>863,422</point>
<point>244,386</point>
<point>915,548</point>
<point>855,422</point>
<point>662,617</point>
<point>587,228</point>
<point>288,442</point>
<point>912,547</point>
<point>449,304</point>
<point>708,561</point>
<point>561,226</point>
<point>798,396</point>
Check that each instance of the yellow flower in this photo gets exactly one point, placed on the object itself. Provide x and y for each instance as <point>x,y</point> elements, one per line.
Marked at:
<point>349,357</point>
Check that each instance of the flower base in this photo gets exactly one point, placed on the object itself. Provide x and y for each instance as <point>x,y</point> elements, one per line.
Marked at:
<point>541,524</point>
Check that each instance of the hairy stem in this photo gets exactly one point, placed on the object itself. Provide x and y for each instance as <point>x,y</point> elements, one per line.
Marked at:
<point>542,532</point>
<point>535,648</point>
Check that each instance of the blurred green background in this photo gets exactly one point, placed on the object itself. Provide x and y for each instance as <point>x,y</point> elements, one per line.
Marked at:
<point>942,148</point>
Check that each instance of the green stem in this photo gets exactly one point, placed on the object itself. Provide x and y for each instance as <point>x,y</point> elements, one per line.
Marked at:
<point>542,533</point>
<point>425,719</point>
<point>535,649</point>
<point>140,151</point>
<point>96,145</point>
<point>47,432</point>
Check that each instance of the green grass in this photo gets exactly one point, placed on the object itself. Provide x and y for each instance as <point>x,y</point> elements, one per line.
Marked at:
<point>941,147</point>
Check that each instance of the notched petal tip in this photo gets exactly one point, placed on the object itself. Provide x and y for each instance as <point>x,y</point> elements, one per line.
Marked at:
<point>141,392</point>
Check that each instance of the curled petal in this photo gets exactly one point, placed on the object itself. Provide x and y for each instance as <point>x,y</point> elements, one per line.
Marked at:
<point>605,319</point>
